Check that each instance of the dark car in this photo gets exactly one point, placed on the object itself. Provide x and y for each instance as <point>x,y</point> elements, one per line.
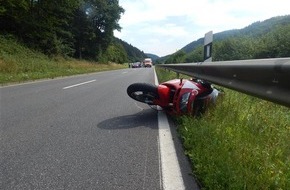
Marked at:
<point>136,65</point>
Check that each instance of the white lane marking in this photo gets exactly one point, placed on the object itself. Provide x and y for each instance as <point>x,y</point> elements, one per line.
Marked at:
<point>171,174</point>
<point>170,169</point>
<point>78,84</point>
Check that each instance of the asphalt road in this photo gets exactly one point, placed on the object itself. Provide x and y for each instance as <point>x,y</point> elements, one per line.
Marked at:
<point>80,132</point>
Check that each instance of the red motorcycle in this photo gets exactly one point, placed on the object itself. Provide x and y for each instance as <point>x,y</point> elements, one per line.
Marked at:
<point>176,97</point>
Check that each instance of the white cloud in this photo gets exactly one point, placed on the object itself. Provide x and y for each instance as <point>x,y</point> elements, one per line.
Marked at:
<point>163,26</point>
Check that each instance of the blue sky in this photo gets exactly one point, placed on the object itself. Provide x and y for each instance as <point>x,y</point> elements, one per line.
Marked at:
<point>162,27</point>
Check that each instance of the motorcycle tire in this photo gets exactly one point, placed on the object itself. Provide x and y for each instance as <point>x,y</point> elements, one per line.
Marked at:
<point>143,92</point>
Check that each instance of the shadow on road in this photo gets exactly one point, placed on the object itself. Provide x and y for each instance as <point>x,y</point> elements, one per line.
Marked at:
<point>145,118</point>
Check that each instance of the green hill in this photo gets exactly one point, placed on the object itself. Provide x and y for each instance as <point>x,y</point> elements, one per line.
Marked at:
<point>254,30</point>
<point>133,53</point>
<point>152,56</point>
<point>262,39</point>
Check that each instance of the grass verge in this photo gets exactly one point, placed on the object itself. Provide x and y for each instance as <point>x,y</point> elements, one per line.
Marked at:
<point>18,64</point>
<point>243,143</point>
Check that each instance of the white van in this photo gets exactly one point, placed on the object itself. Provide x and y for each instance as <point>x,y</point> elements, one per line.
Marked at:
<point>147,62</point>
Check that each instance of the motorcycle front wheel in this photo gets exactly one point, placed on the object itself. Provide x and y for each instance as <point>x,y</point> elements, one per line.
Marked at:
<point>143,92</point>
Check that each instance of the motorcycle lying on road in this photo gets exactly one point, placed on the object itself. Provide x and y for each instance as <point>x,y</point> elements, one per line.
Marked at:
<point>177,96</point>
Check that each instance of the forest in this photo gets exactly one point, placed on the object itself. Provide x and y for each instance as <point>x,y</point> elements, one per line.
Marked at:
<point>267,39</point>
<point>82,29</point>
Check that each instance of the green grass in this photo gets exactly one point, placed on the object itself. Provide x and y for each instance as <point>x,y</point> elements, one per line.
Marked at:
<point>241,143</point>
<point>18,64</point>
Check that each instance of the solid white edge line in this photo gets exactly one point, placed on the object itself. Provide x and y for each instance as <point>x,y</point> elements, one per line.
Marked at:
<point>79,84</point>
<point>170,170</point>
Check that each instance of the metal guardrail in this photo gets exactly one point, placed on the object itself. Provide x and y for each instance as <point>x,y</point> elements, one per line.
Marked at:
<point>267,79</point>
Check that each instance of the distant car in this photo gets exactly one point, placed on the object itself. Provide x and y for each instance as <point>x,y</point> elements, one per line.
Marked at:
<point>136,65</point>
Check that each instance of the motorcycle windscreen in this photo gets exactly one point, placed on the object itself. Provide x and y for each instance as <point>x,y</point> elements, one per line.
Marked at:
<point>183,102</point>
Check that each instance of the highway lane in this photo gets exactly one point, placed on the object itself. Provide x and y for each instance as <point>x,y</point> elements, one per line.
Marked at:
<point>80,132</point>
<point>90,136</point>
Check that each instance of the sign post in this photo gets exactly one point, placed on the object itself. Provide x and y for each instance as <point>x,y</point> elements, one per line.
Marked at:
<point>208,47</point>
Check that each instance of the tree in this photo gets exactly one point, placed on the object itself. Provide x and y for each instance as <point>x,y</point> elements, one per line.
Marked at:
<point>116,53</point>
<point>13,14</point>
<point>195,56</point>
<point>275,44</point>
<point>42,24</point>
<point>105,15</point>
<point>83,28</point>
<point>178,57</point>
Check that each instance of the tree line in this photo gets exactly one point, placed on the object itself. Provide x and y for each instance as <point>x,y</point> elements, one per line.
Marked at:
<point>75,28</point>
